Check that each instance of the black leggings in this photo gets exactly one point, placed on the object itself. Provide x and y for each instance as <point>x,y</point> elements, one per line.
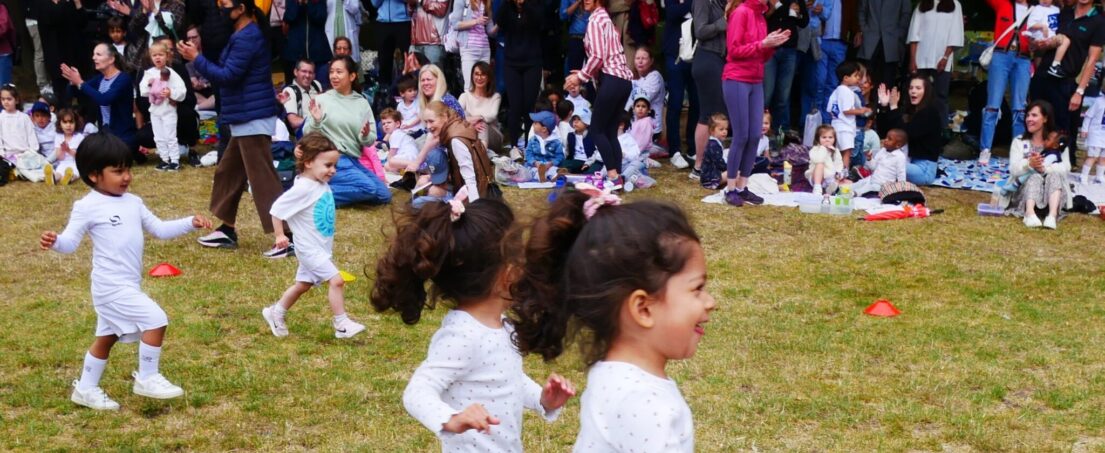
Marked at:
<point>609,104</point>
<point>391,36</point>
<point>522,84</point>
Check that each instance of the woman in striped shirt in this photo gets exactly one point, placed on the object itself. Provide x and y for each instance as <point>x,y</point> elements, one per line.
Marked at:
<point>606,65</point>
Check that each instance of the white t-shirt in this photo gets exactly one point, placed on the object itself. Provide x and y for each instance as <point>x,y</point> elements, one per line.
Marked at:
<point>1046,15</point>
<point>116,225</point>
<point>763,146</point>
<point>470,363</point>
<point>308,207</point>
<point>578,102</point>
<point>626,409</point>
<point>889,166</point>
<point>74,142</point>
<point>410,114</point>
<point>842,100</point>
<point>403,144</point>
<point>280,133</point>
<point>1092,123</point>
<point>829,157</point>
<point>580,153</point>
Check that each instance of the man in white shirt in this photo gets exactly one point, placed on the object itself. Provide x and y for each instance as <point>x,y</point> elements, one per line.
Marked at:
<point>296,97</point>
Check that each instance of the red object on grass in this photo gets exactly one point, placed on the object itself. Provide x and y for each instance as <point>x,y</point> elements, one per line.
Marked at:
<point>1101,210</point>
<point>882,307</point>
<point>919,211</point>
<point>164,270</point>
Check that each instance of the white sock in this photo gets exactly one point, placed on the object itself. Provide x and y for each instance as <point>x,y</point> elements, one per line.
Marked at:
<point>339,318</point>
<point>1101,172</point>
<point>1085,173</point>
<point>279,309</point>
<point>148,359</point>
<point>92,371</point>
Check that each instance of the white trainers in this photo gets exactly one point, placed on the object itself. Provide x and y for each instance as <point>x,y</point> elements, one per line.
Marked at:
<point>347,328</point>
<point>275,321</point>
<point>1031,221</point>
<point>679,161</point>
<point>1049,223</point>
<point>984,157</point>
<point>156,386</point>
<point>93,398</point>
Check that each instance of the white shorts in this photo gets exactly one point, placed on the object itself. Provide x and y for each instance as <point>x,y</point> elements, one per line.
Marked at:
<point>845,140</point>
<point>128,316</point>
<point>1094,151</point>
<point>315,270</point>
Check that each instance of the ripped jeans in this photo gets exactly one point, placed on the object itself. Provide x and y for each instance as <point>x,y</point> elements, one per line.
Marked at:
<point>1006,68</point>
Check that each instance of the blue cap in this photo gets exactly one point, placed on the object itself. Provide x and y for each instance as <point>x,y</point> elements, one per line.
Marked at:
<point>40,107</point>
<point>546,119</point>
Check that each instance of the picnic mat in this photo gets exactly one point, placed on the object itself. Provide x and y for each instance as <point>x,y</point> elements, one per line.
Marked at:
<point>969,175</point>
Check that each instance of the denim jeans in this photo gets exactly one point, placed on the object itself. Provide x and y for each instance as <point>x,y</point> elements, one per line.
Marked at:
<point>778,78</point>
<point>5,69</point>
<point>832,55</point>
<point>807,80</point>
<point>352,183</point>
<point>921,172</point>
<point>679,81</point>
<point>433,52</point>
<point>1010,69</point>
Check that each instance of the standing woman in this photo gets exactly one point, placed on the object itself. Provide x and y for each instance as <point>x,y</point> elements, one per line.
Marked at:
<point>343,18</point>
<point>679,79</point>
<point>709,59</point>
<point>345,117</point>
<point>1010,66</point>
<point>606,65</point>
<point>472,19</point>
<point>748,46</point>
<point>940,23</point>
<point>243,76</point>
<point>521,27</point>
<point>112,91</point>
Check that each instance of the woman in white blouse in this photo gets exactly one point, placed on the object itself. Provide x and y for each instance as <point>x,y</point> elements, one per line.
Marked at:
<point>940,23</point>
<point>481,105</point>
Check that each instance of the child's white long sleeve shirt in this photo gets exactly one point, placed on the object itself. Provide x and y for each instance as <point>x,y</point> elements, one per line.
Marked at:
<point>889,166</point>
<point>17,134</point>
<point>470,363</point>
<point>1091,123</point>
<point>116,225</point>
<point>626,409</point>
<point>177,90</point>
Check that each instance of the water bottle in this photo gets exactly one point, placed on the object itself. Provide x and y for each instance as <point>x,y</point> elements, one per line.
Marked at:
<point>787,169</point>
<point>849,199</point>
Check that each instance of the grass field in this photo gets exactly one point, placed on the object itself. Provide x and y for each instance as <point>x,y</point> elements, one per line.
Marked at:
<point>998,348</point>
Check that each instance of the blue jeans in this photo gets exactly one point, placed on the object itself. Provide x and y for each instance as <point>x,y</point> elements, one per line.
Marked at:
<point>680,81</point>
<point>5,69</point>
<point>921,172</point>
<point>832,54</point>
<point>778,78</point>
<point>434,53</point>
<point>352,183</point>
<point>1006,68</point>
<point>808,84</point>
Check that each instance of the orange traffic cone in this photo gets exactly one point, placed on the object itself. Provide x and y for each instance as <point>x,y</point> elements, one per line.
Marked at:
<point>882,307</point>
<point>164,270</point>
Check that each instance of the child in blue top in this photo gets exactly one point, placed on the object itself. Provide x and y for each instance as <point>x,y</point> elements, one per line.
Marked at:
<point>545,151</point>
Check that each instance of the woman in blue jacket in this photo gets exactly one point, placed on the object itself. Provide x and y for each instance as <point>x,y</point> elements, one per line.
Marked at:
<point>112,90</point>
<point>244,77</point>
<point>306,20</point>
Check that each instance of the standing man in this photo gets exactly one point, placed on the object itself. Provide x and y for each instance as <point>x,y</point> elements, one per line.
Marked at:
<point>393,31</point>
<point>833,49</point>
<point>42,80</point>
<point>883,26</point>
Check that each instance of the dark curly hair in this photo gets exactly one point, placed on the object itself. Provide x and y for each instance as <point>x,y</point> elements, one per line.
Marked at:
<point>463,259</point>
<point>579,272</point>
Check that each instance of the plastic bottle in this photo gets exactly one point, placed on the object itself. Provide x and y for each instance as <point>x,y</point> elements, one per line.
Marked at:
<point>787,169</point>
<point>848,199</point>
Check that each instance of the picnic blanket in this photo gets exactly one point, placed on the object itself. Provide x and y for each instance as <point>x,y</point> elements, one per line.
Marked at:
<point>797,199</point>
<point>969,175</point>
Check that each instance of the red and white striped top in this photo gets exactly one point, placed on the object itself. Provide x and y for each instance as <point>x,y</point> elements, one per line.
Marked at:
<point>604,48</point>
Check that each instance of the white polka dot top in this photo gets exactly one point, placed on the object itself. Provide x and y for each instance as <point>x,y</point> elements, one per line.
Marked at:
<point>626,409</point>
<point>470,363</point>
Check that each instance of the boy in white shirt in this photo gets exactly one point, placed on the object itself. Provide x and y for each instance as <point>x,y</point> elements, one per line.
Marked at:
<point>45,129</point>
<point>116,221</point>
<point>1042,26</point>
<point>401,147</point>
<point>843,106</point>
<point>888,166</point>
<point>408,107</point>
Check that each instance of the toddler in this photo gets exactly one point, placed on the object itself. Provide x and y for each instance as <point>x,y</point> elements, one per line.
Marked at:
<point>117,33</point>
<point>68,139</point>
<point>575,94</point>
<point>1093,131</point>
<point>408,106</point>
<point>580,150</point>
<point>165,88</point>
<point>309,210</point>
<point>401,148</point>
<point>889,166</point>
<point>826,167</point>
<point>565,110</point>
<point>17,132</point>
<point>116,221</point>
<point>642,129</point>
<point>763,149</point>
<point>45,128</point>
<point>544,151</point>
<point>471,389</point>
<point>843,106</point>
<point>712,174</point>
<point>637,307</point>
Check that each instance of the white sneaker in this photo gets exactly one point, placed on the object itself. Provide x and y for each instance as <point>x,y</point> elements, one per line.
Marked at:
<point>1049,223</point>
<point>1031,221</point>
<point>93,398</point>
<point>679,161</point>
<point>275,321</point>
<point>347,328</point>
<point>984,157</point>
<point>156,386</point>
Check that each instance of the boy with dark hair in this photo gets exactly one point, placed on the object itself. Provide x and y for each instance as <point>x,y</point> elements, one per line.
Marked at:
<point>843,107</point>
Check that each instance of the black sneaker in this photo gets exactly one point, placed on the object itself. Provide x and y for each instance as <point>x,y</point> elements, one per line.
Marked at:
<point>221,238</point>
<point>172,167</point>
<point>695,175</point>
<point>277,253</point>
<point>750,197</point>
<point>193,158</point>
<point>407,183</point>
<point>733,197</point>
<point>1056,71</point>
<point>162,166</point>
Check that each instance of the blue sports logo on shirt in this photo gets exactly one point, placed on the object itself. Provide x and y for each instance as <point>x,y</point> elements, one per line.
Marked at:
<point>324,214</point>
<point>1053,21</point>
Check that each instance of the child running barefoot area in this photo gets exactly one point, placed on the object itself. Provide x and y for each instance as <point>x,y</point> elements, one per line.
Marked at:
<point>116,221</point>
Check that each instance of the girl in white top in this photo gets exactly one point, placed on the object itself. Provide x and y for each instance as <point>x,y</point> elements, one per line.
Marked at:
<point>308,207</point>
<point>165,89</point>
<point>826,167</point>
<point>67,141</point>
<point>116,221</point>
<point>17,132</point>
<point>471,390</point>
<point>636,307</point>
<point>1093,131</point>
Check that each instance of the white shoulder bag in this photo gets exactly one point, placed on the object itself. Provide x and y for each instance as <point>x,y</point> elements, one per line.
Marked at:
<point>988,54</point>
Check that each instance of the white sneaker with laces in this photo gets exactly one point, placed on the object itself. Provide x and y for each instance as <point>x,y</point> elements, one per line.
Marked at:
<point>156,386</point>
<point>275,321</point>
<point>1031,221</point>
<point>1049,223</point>
<point>93,398</point>
<point>679,161</point>
<point>348,328</point>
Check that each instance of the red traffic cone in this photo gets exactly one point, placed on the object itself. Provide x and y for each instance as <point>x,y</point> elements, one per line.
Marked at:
<point>164,270</point>
<point>882,307</point>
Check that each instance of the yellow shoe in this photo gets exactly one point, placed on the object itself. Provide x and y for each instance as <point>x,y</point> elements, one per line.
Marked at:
<point>48,171</point>
<point>67,177</point>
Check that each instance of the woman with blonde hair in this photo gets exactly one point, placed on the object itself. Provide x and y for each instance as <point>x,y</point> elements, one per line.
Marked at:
<point>432,86</point>
<point>461,160</point>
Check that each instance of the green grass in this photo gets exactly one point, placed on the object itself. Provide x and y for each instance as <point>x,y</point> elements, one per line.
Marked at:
<point>998,347</point>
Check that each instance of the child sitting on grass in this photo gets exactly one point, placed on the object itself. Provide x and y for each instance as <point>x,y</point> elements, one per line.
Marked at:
<point>642,129</point>
<point>471,389</point>
<point>888,166</point>
<point>712,174</point>
<point>634,308</point>
<point>116,221</point>
<point>17,132</point>
<point>67,140</point>
<point>309,210</point>
<point>826,168</point>
<point>401,147</point>
<point>580,151</point>
<point>45,129</point>
<point>544,151</point>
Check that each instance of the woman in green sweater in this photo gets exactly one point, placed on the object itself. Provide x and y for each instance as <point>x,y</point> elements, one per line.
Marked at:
<point>345,117</point>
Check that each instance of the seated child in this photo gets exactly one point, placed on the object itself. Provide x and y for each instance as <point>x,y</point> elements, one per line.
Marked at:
<point>544,151</point>
<point>713,163</point>
<point>826,167</point>
<point>45,129</point>
<point>117,222</point>
<point>401,148</point>
<point>763,149</point>
<point>17,131</point>
<point>580,152</point>
<point>634,162</point>
<point>575,94</point>
<point>564,112</point>
<point>888,166</point>
<point>408,106</point>
<point>642,129</point>
<point>67,141</point>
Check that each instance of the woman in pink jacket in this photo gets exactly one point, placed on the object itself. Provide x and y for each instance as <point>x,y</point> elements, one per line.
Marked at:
<point>748,47</point>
